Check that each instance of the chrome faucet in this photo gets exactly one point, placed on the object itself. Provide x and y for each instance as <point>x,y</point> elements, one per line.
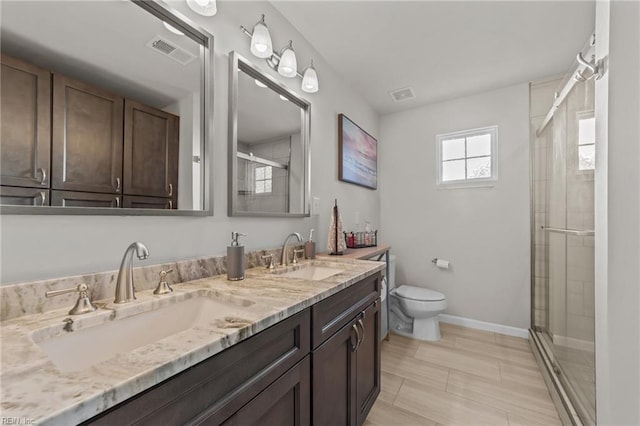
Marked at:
<point>125,292</point>
<point>284,246</point>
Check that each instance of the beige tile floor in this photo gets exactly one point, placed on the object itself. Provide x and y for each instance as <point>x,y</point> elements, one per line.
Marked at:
<point>470,377</point>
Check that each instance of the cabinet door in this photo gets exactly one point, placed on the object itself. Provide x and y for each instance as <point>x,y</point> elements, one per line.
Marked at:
<point>136,202</point>
<point>87,138</point>
<point>286,402</point>
<point>150,151</point>
<point>334,381</point>
<point>25,124</point>
<point>84,199</point>
<point>13,196</point>
<point>368,361</point>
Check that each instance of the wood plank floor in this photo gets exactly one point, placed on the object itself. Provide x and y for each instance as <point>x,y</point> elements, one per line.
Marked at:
<point>470,377</point>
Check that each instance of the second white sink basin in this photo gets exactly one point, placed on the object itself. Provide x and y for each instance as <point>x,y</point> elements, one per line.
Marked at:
<point>314,273</point>
<point>82,348</point>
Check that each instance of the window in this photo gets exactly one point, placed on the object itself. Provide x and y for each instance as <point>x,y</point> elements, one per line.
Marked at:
<point>263,180</point>
<point>468,158</point>
<point>587,143</point>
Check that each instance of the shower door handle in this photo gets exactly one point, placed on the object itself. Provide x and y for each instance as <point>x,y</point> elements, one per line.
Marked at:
<point>576,232</point>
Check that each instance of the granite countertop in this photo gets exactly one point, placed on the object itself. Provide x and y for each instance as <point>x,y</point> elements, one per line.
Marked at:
<point>35,390</point>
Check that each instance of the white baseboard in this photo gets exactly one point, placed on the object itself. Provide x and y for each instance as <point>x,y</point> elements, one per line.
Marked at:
<point>486,326</point>
<point>570,342</point>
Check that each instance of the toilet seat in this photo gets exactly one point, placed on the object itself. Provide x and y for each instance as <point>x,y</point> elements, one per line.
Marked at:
<point>419,293</point>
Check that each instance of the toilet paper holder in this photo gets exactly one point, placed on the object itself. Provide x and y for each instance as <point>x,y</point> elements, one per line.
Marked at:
<point>441,263</point>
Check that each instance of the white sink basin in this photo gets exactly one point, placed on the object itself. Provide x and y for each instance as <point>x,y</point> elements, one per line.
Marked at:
<point>82,348</point>
<point>314,273</point>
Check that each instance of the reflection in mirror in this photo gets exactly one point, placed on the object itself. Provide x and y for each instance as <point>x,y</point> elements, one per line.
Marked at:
<point>105,106</point>
<point>269,145</point>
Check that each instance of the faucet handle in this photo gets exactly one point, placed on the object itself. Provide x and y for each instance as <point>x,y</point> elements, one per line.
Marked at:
<point>83,304</point>
<point>296,252</point>
<point>269,256</point>
<point>163,287</point>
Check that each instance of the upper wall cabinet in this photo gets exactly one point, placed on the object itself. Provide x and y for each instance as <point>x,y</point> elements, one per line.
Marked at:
<point>87,138</point>
<point>106,109</point>
<point>25,128</point>
<point>269,156</point>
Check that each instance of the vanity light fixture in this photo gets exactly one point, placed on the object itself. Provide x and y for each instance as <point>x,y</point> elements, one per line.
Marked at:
<point>285,63</point>
<point>288,65</point>
<point>310,79</point>
<point>203,7</point>
<point>172,29</point>
<point>261,45</point>
<point>284,98</point>
<point>259,83</point>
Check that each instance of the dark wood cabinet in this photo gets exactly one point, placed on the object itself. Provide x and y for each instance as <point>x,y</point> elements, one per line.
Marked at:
<point>334,365</point>
<point>87,138</point>
<point>65,135</point>
<point>286,402</point>
<point>346,366</point>
<point>15,196</point>
<point>275,377</point>
<point>150,151</point>
<point>138,202</point>
<point>25,124</point>
<point>368,361</point>
<point>84,199</point>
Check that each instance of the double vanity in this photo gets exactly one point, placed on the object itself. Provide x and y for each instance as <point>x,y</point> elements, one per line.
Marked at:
<point>292,345</point>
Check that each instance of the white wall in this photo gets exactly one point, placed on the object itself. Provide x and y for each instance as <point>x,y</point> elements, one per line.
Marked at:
<point>484,232</point>
<point>617,226</point>
<point>38,247</point>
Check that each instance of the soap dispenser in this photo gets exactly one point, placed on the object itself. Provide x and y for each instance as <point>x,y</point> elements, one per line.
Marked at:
<point>235,258</point>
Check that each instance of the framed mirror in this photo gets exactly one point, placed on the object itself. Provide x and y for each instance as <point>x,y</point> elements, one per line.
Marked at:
<point>269,153</point>
<point>106,109</point>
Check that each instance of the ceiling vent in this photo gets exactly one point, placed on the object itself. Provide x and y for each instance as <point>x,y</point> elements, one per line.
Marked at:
<point>401,95</point>
<point>167,48</point>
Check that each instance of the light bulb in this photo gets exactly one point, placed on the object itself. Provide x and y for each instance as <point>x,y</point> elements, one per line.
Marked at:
<point>259,83</point>
<point>203,7</point>
<point>172,29</point>
<point>288,65</point>
<point>310,79</point>
<point>283,98</point>
<point>261,46</point>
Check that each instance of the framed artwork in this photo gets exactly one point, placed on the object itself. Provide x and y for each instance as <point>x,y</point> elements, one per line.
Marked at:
<point>358,154</point>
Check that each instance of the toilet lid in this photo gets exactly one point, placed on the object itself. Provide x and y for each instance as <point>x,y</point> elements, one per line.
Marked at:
<point>419,293</point>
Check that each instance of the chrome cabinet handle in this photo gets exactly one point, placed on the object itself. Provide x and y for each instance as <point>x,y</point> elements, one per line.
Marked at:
<point>117,184</point>
<point>355,347</point>
<point>363,332</point>
<point>43,176</point>
<point>43,198</point>
<point>117,201</point>
<point>170,204</point>
<point>170,190</point>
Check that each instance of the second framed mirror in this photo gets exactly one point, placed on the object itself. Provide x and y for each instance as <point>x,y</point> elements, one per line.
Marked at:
<point>269,155</point>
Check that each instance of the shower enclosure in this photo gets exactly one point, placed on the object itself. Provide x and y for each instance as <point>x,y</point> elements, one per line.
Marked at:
<point>563,164</point>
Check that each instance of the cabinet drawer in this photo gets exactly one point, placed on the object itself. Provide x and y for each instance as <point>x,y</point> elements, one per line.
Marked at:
<point>222,384</point>
<point>331,314</point>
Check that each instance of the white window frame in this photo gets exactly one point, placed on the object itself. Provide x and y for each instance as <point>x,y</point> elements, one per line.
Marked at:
<point>468,183</point>
<point>256,180</point>
<point>582,115</point>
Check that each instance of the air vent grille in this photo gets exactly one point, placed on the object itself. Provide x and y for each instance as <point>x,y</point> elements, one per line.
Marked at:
<point>167,48</point>
<point>401,95</point>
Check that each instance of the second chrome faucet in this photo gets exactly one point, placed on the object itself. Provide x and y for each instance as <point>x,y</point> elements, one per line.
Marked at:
<point>125,291</point>
<point>284,247</point>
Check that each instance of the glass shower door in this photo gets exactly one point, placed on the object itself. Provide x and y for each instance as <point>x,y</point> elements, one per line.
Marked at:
<point>564,256</point>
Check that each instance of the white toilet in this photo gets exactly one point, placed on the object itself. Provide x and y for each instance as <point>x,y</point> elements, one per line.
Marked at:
<point>415,310</point>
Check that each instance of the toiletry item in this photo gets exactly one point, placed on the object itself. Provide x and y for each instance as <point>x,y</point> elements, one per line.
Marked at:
<point>235,258</point>
<point>310,247</point>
